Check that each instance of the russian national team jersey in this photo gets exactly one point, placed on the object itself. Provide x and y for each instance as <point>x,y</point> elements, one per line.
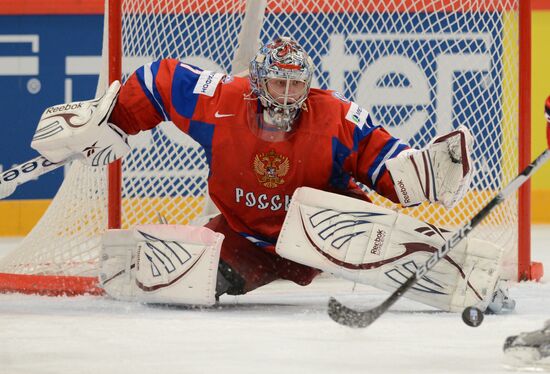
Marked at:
<point>252,180</point>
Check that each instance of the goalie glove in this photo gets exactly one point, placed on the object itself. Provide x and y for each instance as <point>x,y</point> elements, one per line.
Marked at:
<point>80,130</point>
<point>441,172</point>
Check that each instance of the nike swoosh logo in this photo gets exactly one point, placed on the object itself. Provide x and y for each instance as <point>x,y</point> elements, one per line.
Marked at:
<point>219,115</point>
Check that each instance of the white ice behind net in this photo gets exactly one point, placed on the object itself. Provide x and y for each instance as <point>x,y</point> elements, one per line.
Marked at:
<point>419,73</point>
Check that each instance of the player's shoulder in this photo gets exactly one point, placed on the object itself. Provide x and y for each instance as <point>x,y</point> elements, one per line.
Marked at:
<point>222,101</point>
<point>322,97</point>
<point>232,84</point>
<point>230,97</point>
<point>335,105</point>
<point>328,101</point>
<point>228,88</point>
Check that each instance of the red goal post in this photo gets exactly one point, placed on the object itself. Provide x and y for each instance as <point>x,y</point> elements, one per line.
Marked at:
<point>420,68</point>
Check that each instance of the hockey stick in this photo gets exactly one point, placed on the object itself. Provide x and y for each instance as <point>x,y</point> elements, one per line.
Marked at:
<point>353,318</point>
<point>30,170</point>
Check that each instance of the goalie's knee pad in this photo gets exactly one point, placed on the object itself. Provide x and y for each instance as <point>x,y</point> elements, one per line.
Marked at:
<point>161,264</point>
<point>369,244</point>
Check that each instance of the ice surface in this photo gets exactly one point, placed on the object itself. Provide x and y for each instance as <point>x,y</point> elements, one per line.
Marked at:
<point>281,328</point>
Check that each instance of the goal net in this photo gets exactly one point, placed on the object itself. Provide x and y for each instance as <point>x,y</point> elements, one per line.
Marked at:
<point>421,68</point>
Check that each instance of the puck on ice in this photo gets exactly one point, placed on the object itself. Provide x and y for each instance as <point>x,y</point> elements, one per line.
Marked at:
<point>472,316</point>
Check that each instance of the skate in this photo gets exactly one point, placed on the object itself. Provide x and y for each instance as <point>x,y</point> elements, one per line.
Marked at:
<point>529,350</point>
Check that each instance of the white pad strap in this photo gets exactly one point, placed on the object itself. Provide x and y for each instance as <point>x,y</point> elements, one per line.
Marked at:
<point>369,244</point>
<point>441,172</point>
<point>80,130</point>
<point>161,264</point>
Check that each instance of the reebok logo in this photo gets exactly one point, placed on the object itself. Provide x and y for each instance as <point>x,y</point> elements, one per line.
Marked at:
<point>55,109</point>
<point>404,192</point>
<point>378,242</point>
<point>220,115</point>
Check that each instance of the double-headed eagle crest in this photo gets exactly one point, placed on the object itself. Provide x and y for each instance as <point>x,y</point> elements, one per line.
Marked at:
<point>270,168</point>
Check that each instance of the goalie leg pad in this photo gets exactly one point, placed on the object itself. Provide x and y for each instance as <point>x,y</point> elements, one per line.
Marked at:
<point>369,244</point>
<point>161,264</point>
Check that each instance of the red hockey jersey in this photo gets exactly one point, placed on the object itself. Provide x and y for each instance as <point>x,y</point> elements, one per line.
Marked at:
<point>252,180</point>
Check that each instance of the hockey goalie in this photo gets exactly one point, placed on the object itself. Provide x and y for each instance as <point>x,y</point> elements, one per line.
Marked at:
<point>266,136</point>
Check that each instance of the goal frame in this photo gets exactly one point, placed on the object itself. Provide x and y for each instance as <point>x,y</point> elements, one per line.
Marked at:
<point>527,270</point>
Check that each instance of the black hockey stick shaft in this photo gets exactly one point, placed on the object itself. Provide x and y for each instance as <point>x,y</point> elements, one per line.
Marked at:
<point>352,318</point>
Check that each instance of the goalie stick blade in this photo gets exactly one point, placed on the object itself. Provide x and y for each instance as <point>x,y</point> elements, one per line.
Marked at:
<point>346,316</point>
<point>352,318</point>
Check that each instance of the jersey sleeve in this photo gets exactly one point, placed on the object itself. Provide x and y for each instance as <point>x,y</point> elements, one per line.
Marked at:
<point>369,147</point>
<point>164,90</point>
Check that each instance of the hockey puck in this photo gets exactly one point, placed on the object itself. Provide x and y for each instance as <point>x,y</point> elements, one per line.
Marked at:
<point>472,316</point>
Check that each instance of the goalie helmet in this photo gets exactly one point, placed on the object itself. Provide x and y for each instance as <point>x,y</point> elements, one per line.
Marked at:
<point>280,75</point>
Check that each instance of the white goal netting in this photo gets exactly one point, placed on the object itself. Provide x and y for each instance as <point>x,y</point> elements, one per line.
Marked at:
<point>421,68</point>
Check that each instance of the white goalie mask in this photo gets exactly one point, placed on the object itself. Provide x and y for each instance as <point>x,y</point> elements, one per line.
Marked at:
<point>280,75</point>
